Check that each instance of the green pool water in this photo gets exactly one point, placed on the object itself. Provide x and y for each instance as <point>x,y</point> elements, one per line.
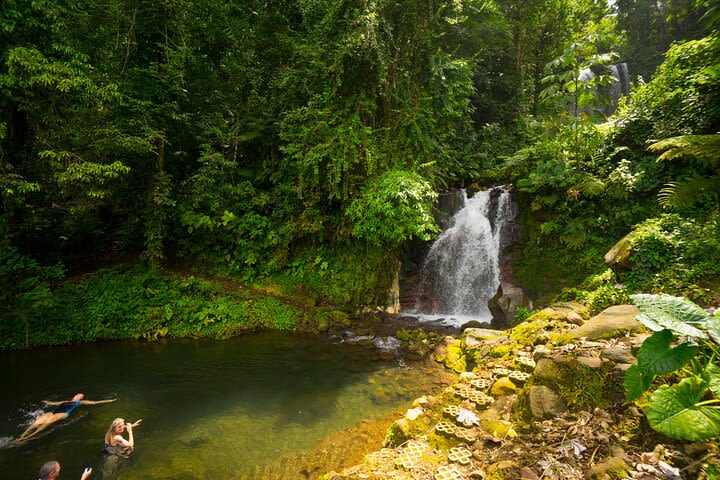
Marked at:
<point>241,408</point>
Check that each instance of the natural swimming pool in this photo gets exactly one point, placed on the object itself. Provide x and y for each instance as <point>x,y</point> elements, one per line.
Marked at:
<point>248,407</point>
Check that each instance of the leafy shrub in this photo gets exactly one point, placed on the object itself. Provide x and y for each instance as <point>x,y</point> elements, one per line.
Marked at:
<point>680,99</point>
<point>136,303</point>
<point>393,208</point>
<point>655,241</point>
<point>604,297</point>
<point>677,255</point>
<point>522,314</point>
<point>24,290</point>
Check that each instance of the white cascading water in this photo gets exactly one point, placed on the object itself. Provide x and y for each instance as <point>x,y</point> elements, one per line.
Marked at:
<point>622,84</point>
<point>462,271</point>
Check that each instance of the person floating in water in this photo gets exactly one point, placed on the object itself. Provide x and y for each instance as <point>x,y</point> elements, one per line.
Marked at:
<point>51,471</point>
<point>114,442</point>
<point>60,412</point>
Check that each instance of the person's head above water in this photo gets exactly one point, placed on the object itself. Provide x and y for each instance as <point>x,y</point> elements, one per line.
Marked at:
<point>78,397</point>
<point>116,428</point>
<point>50,471</point>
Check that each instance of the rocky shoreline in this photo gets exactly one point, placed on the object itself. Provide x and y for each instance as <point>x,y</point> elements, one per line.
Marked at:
<point>543,400</point>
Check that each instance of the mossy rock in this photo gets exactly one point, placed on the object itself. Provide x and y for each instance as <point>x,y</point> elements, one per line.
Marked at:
<point>580,386</point>
<point>340,318</point>
<point>475,337</point>
<point>544,402</point>
<point>538,328</point>
<point>411,335</point>
<point>501,351</point>
<point>492,424</point>
<point>612,322</point>
<point>455,358</point>
<point>502,387</point>
<point>566,308</point>
<point>618,258</point>
<point>613,466</point>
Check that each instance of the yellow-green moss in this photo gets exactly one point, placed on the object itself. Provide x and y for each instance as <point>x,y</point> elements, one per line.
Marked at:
<point>561,338</point>
<point>584,388</point>
<point>501,351</point>
<point>455,358</point>
<point>441,442</point>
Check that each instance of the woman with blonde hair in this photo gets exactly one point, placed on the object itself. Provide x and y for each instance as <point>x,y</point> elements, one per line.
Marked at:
<point>114,442</point>
<point>116,447</point>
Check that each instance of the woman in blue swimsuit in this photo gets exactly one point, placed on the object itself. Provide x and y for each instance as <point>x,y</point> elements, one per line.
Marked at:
<point>60,412</point>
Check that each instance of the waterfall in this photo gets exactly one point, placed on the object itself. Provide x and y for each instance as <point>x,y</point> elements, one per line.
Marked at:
<point>621,86</point>
<point>462,269</point>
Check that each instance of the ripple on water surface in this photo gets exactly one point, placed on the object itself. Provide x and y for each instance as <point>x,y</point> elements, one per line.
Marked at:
<point>210,409</point>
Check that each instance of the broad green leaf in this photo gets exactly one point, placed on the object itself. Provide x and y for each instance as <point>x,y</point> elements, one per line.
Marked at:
<point>649,323</point>
<point>655,357</point>
<point>712,376</point>
<point>636,383</point>
<point>673,411</point>
<point>672,313</point>
<point>711,326</point>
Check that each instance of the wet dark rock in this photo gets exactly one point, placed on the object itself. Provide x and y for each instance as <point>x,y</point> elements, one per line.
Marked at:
<point>473,324</point>
<point>505,303</point>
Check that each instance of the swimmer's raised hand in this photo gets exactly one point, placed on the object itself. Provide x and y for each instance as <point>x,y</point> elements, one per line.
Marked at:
<point>135,424</point>
<point>86,473</point>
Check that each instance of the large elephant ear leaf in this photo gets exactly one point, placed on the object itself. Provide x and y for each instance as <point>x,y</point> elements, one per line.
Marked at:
<point>636,383</point>
<point>711,375</point>
<point>672,313</point>
<point>674,411</point>
<point>712,327</point>
<point>655,357</point>
<point>649,323</point>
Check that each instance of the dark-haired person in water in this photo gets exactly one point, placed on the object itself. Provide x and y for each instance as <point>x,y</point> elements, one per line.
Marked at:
<point>51,471</point>
<point>60,412</point>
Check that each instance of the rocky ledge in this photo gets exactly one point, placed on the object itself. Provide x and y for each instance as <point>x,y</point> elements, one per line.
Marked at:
<point>541,400</point>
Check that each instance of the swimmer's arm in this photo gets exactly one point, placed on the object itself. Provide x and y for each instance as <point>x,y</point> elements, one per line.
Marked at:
<point>121,441</point>
<point>96,402</point>
<point>48,402</point>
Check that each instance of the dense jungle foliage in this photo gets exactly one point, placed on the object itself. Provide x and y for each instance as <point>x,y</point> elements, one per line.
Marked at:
<point>297,144</point>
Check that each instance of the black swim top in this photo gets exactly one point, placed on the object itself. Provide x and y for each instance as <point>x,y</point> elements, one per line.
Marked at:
<point>66,407</point>
<point>118,449</point>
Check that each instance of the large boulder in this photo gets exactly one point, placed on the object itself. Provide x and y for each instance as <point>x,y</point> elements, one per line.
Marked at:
<point>618,258</point>
<point>612,322</point>
<point>505,303</point>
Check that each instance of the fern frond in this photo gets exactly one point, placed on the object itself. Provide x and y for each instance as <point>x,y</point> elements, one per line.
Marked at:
<point>703,148</point>
<point>574,235</point>
<point>689,192</point>
<point>590,186</point>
